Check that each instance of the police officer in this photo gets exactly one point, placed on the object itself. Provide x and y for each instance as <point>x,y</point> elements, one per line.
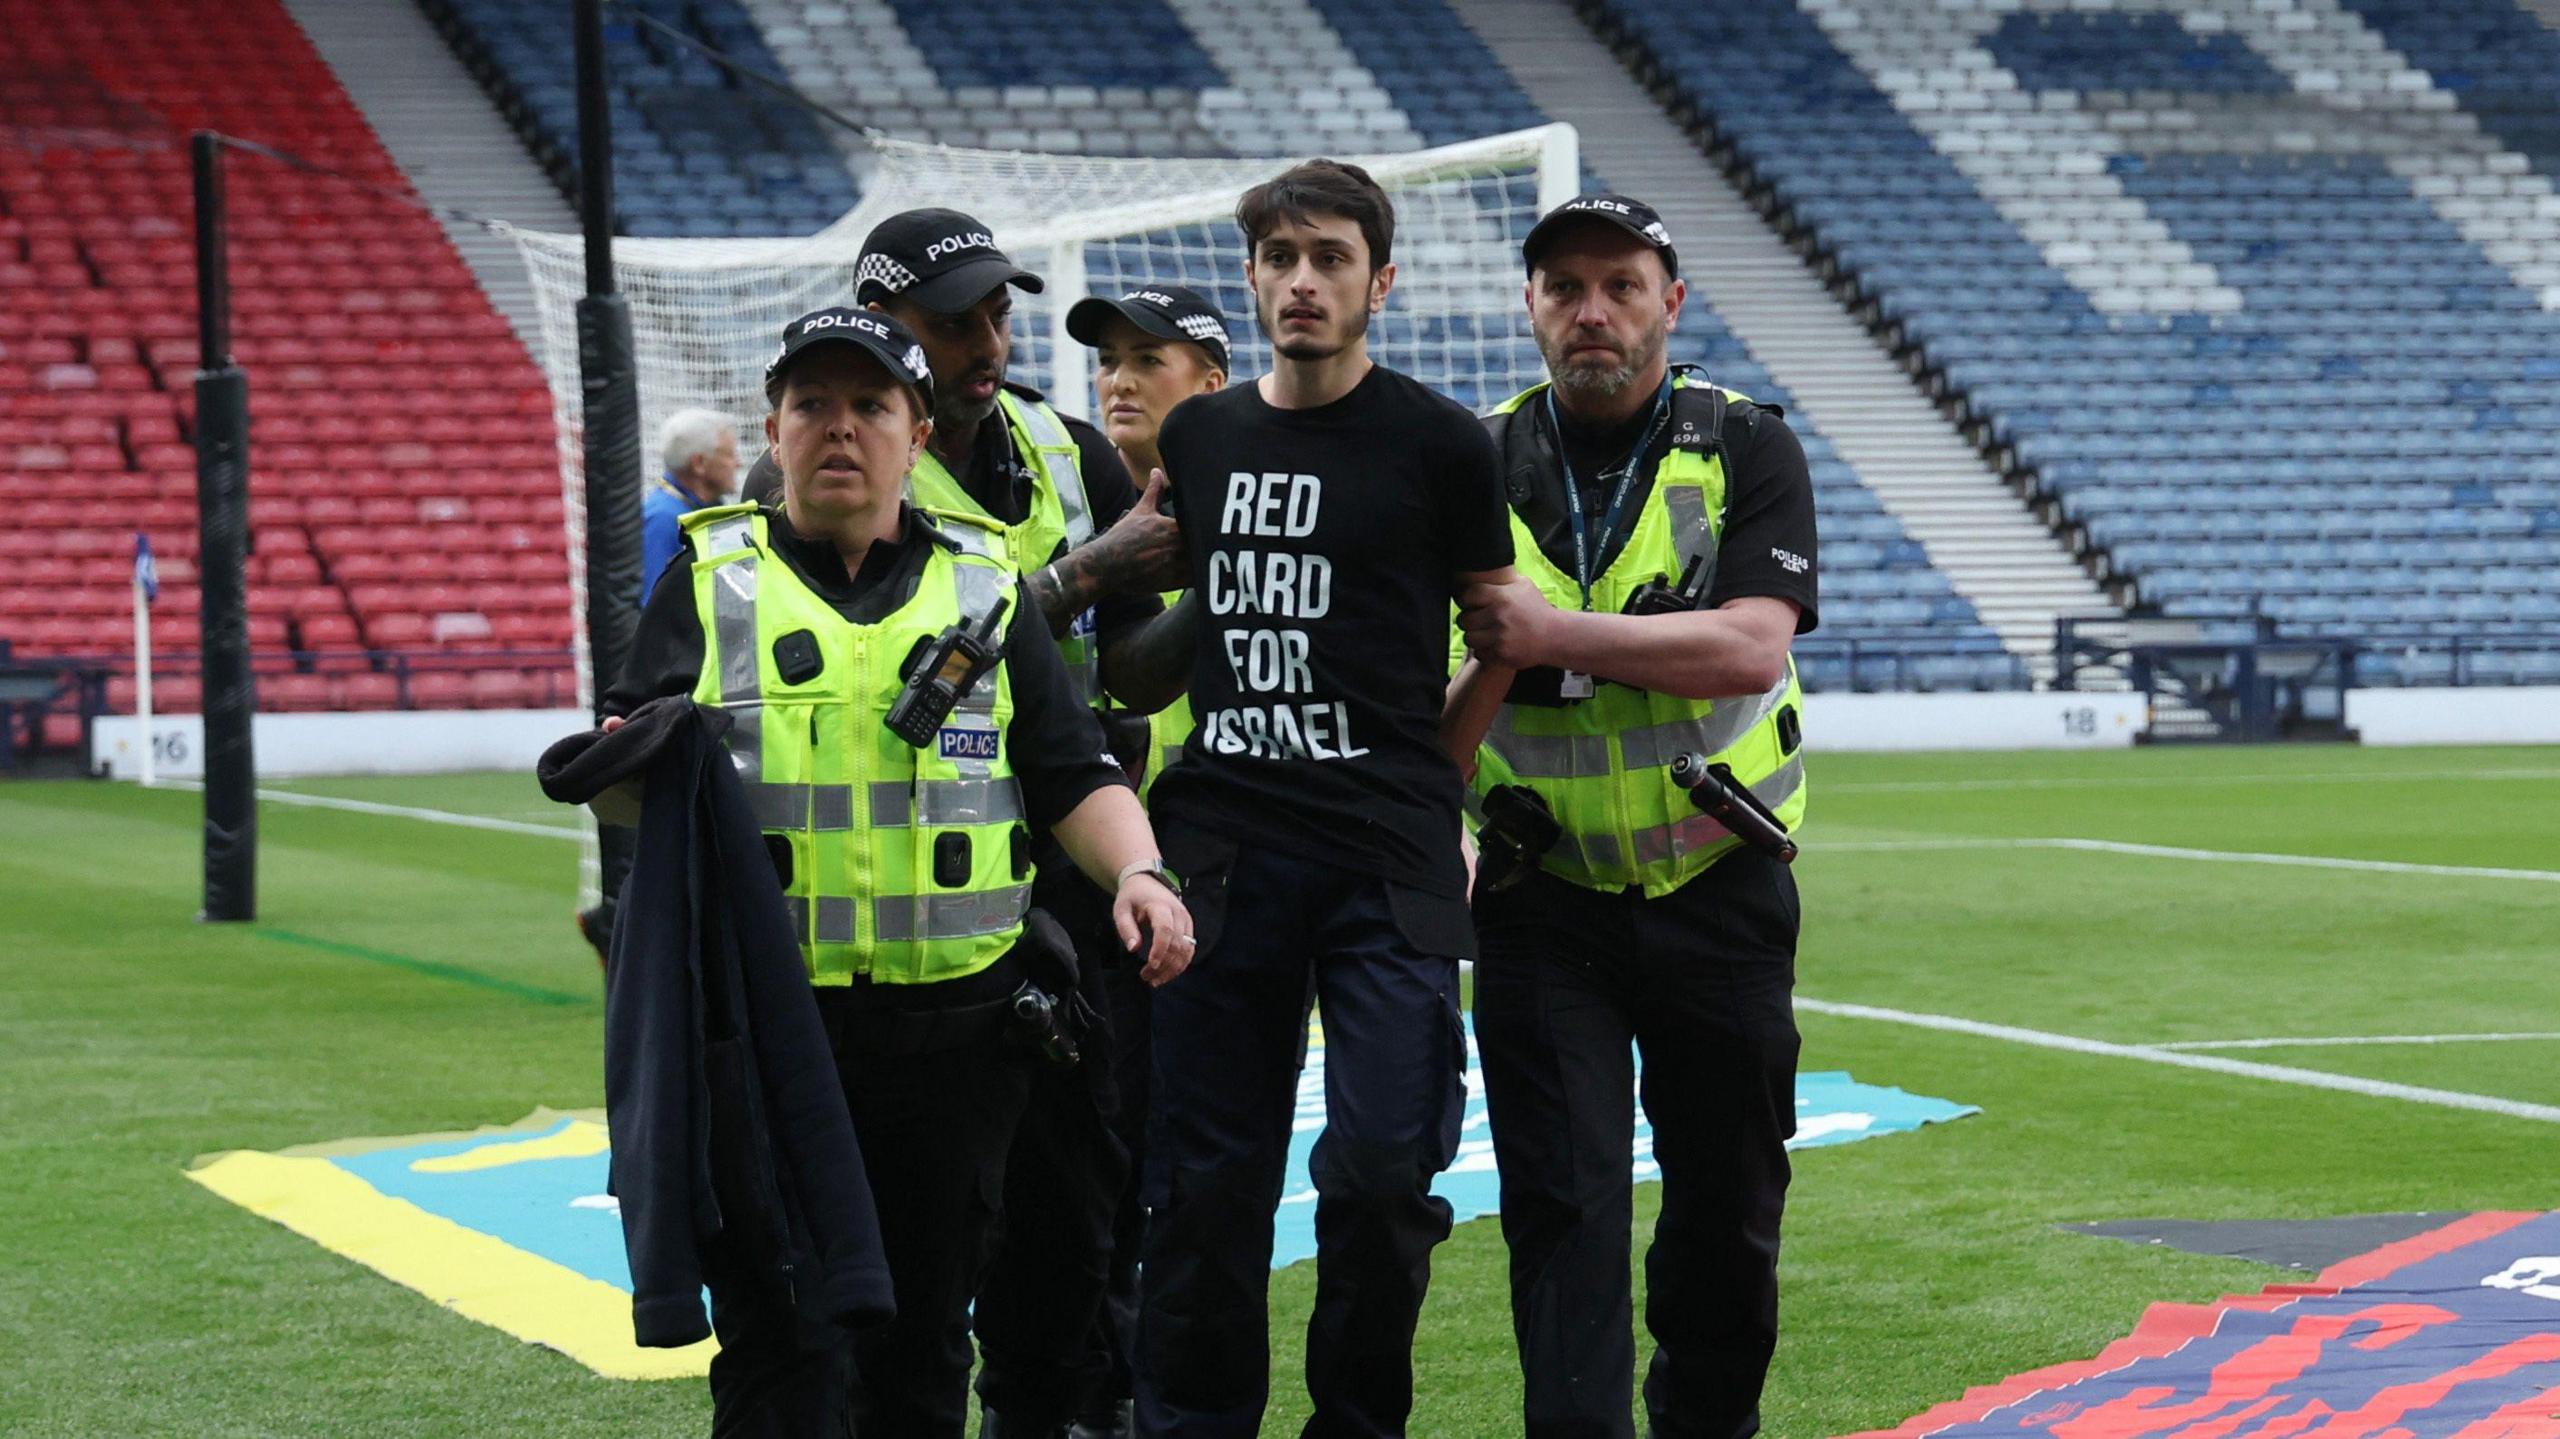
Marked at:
<point>1669,527</point>
<point>1092,554</point>
<point>905,862</point>
<point>1154,347</point>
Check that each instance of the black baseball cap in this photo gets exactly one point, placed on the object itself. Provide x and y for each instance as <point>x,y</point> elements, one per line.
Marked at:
<point>1631,215</point>
<point>1168,312</point>
<point>940,259</point>
<point>878,335</point>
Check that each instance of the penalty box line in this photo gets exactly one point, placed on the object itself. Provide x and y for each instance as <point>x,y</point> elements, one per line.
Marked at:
<point>2189,1059</point>
<point>396,811</point>
<point>2168,851</point>
<point>2347,1041</point>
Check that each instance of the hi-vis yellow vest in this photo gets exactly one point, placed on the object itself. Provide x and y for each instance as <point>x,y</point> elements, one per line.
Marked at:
<point>1060,517</point>
<point>1603,764</point>
<point>863,813</point>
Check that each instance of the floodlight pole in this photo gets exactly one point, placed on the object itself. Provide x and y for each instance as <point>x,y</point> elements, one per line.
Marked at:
<point>609,393</point>
<point>222,562</point>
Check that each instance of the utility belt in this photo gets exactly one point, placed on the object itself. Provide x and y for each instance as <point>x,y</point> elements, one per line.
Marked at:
<point>1045,1015</point>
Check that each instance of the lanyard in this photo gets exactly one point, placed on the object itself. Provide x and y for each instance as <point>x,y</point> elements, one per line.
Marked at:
<point>1626,473</point>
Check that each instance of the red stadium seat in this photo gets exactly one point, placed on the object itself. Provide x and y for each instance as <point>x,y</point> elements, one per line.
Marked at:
<point>439,689</point>
<point>289,693</point>
<point>499,689</point>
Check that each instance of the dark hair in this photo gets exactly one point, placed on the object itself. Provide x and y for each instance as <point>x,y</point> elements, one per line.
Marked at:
<point>1321,187</point>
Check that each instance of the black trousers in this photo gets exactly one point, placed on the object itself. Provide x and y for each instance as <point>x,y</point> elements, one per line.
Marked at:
<point>935,1133</point>
<point>773,1377</point>
<point>1115,1334</point>
<point>1230,1039</point>
<point>1701,982</point>
<point>1041,1309</point>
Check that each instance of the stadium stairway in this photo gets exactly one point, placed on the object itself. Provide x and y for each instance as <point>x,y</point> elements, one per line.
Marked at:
<point>1974,528</point>
<point>860,57</point>
<point>445,136</point>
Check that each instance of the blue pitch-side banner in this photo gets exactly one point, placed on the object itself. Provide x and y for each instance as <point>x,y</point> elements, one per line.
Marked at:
<point>512,1226</point>
<point>2451,1334</point>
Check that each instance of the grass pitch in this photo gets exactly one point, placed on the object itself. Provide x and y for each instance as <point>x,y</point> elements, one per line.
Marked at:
<point>408,976</point>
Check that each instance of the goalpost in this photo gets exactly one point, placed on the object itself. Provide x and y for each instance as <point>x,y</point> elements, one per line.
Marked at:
<point>706,314</point>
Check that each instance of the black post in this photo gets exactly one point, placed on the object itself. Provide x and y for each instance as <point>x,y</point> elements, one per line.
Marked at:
<point>609,392</point>
<point>222,563</point>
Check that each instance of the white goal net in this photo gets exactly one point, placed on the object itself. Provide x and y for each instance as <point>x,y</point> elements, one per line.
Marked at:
<point>706,314</point>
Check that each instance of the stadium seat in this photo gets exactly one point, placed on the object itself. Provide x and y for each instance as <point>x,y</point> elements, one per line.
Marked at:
<point>97,332</point>
<point>2211,431</point>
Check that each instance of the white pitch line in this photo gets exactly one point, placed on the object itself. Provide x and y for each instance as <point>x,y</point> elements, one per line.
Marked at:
<point>2155,1054</point>
<point>1958,786</point>
<point>2166,851</point>
<point>398,811</point>
<point>2340,1041</point>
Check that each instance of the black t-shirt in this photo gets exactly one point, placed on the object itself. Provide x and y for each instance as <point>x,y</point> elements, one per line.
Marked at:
<point>1054,742</point>
<point>1767,546</point>
<point>1325,546</point>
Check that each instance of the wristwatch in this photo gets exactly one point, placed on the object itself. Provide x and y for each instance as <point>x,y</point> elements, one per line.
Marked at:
<point>1151,866</point>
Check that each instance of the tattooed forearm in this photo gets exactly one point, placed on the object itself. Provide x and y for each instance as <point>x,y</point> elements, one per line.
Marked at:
<point>1151,666</point>
<point>1070,584</point>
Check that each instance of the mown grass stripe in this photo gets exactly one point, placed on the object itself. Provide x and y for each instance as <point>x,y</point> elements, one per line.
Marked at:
<point>433,969</point>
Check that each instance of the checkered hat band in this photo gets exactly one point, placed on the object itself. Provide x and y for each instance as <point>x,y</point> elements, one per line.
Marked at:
<point>892,276</point>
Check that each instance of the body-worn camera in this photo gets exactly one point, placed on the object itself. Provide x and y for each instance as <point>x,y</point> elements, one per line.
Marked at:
<point>1672,597</point>
<point>941,673</point>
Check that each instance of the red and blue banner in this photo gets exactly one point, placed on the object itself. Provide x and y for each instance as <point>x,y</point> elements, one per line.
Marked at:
<point>2452,1334</point>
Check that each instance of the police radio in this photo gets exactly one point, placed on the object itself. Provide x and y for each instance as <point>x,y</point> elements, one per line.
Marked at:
<point>1730,802</point>
<point>1654,597</point>
<point>942,672</point>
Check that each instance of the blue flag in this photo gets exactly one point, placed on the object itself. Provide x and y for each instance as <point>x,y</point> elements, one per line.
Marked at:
<point>145,572</point>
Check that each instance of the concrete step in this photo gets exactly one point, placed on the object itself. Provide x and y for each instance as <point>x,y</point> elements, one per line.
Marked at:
<point>445,135</point>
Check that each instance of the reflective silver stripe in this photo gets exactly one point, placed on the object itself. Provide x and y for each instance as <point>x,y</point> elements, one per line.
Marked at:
<point>720,537</point>
<point>1056,449</point>
<point>1691,533</point>
<point>1545,756</point>
<point>1600,851</point>
<point>733,623</point>
<point>978,587</point>
<point>801,806</point>
<point>949,916</point>
<point>969,539</point>
<point>895,804</point>
<point>1655,746</point>
<point>835,920</point>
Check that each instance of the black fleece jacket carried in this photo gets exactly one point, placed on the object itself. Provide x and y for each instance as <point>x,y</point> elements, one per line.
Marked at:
<point>733,1152</point>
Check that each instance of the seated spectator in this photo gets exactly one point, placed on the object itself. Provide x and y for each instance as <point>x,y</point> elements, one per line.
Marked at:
<point>699,449</point>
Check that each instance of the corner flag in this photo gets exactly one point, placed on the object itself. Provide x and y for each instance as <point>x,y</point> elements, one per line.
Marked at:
<point>146,572</point>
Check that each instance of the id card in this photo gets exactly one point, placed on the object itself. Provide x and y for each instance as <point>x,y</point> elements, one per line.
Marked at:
<point>1575,685</point>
